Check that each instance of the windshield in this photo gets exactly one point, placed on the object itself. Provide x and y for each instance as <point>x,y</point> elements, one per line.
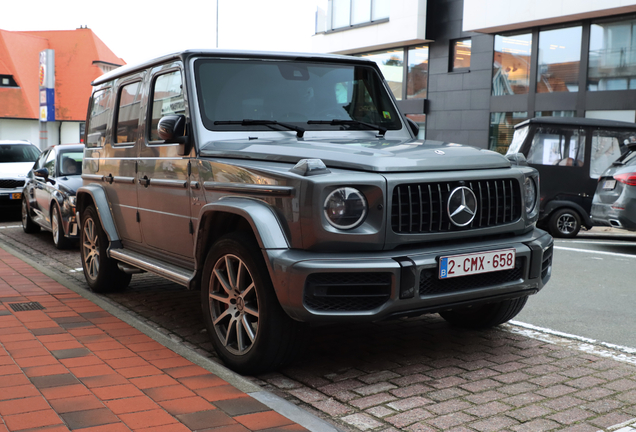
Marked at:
<point>517,140</point>
<point>312,96</point>
<point>71,162</point>
<point>18,153</point>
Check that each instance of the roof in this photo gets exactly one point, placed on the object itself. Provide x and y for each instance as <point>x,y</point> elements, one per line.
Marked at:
<point>76,52</point>
<point>15,142</point>
<point>577,121</point>
<point>230,54</point>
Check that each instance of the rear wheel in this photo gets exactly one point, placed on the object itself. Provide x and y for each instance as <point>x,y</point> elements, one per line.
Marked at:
<point>100,271</point>
<point>564,223</point>
<point>60,241</point>
<point>28,225</point>
<point>488,315</point>
<point>249,329</point>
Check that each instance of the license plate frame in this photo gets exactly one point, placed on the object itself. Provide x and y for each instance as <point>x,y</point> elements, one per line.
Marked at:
<point>17,196</point>
<point>609,184</point>
<point>476,263</point>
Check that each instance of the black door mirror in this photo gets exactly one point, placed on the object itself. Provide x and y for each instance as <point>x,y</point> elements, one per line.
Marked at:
<point>171,129</point>
<point>415,128</point>
<point>43,173</point>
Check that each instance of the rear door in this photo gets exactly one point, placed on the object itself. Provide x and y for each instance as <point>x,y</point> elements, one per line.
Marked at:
<point>164,188</point>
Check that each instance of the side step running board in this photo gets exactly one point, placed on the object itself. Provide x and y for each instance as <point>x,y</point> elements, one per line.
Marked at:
<point>161,268</point>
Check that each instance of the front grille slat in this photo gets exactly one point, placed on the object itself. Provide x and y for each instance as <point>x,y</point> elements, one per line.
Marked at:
<point>11,184</point>
<point>421,207</point>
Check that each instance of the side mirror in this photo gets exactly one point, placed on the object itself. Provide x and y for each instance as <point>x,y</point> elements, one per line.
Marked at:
<point>415,128</point>
<point>517,159</point>
<point>171,129</point>
<point>43,173</point>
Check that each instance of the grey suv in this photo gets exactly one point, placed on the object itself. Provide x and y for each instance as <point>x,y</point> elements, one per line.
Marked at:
<point>289,189</point>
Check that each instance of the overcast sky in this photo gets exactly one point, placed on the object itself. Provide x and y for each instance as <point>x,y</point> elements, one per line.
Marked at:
<point>136,30</point>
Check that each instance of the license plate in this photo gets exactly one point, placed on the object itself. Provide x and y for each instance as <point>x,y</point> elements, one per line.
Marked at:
<point>609,184</point>
<point>15,196</point>
<point>475,263</point>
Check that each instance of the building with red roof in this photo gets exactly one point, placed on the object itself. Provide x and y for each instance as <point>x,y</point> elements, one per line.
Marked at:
<point>80,58</point>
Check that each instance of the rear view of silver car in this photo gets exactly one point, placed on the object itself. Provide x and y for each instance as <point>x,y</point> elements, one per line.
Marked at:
<point>615,198</point>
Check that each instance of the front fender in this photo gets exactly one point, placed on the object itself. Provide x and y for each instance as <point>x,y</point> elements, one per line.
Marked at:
<point>97,194</point>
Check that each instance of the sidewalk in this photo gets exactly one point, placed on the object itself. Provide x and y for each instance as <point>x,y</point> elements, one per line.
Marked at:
<point>66,364</point>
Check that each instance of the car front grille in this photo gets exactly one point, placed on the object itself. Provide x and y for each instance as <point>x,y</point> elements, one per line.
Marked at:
<point>11,184</point>
<point>431,284</point>
<point>421,207</point>
<point>347,292</point>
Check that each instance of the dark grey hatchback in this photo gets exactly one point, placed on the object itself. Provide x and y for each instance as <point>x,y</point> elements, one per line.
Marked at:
<point>615,198</point>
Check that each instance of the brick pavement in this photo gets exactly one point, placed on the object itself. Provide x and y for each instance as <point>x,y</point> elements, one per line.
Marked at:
<point>411,375</point>
<point>72,366</point>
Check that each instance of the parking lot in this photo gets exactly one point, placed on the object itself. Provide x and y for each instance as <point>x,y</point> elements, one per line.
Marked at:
<point>416,374</point>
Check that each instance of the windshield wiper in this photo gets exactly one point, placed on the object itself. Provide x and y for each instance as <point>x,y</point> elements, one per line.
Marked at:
<point>248,122</point>
<point>382,130</point>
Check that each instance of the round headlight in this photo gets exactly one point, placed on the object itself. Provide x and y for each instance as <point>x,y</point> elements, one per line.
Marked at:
<point>530,192</point>
<point>345,208</point>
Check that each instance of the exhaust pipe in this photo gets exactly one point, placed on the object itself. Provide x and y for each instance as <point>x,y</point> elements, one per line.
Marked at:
<point>615,223</point>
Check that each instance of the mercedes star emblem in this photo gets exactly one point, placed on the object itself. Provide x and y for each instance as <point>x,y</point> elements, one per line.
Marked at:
<point>440,152</point>
<point>462,206</point>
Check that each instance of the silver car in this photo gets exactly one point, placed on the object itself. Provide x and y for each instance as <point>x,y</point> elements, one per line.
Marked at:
<point>614,202</point>
<point>16,159</point>
<point>289,189</point>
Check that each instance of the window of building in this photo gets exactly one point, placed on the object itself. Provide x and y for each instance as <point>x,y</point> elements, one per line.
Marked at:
<point>612,56</point>
<point>128,113</point>
<point>562,146</point>
<point>347,13</point>
<point>7,81</point>
<point>502,128</point>
<point>559,60</point>
<point>511,64</point>
<point>417,75</point>
<point>555,114</point>
<point>167,99</point>
<point>460,56</point>
<point>391,64</point>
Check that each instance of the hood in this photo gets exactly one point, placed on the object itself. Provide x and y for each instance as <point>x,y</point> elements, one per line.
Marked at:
<point>374,156</point>
<point>15,169</point>
<point>69,184</point>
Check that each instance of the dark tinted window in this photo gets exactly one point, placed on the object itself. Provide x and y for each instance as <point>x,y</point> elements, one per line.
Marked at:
<point>18,153</point>
<point>71,162</point>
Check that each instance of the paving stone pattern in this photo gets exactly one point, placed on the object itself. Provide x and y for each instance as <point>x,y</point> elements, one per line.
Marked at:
<point>408,375</point>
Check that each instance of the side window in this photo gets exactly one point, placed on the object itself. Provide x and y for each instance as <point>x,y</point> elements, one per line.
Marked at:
<point>167,99</point>
<point>49,163</point>
<point>563,147</point>
<point>39,163</point>
<point>605,150</point>
<point>127,128</point>
<point>98,118</point>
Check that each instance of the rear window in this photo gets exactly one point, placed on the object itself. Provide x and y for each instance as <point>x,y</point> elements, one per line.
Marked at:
<point>10,153</point>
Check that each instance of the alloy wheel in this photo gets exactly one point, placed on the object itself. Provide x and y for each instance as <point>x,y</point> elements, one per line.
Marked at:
<point>566,223</point>
<point>55,227</point>
<point>25,213</point>
<point>234,304</point>
<point>90,249</point>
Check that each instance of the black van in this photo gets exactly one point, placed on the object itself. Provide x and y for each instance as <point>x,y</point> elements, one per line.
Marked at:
<point>570,154</point>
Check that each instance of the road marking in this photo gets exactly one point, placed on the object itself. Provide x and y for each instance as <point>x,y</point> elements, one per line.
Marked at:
<point>10,226</point>
<point>600,242</point>
<point>595,251</point>
<point>627,426</point>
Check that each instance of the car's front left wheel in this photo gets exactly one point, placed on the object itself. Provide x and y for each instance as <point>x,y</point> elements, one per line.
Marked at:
<point>249,329</point>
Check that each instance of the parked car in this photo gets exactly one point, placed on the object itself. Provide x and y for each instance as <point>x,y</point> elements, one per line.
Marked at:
<point>289,189</point>
<point>16,159</point>
<point>614,202</point>
<point>48,200</point>
<point>570,154</point>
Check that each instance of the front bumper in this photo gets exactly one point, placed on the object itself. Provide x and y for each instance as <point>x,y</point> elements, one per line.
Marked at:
<point>315,287</point>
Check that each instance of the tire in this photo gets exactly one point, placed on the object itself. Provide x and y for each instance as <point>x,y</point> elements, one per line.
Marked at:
<point>100,271</point>
<point>57,229</point>
<point>248,328</point>
<point>564,223</point>
<point>484,316</point>
<point>28,225</point>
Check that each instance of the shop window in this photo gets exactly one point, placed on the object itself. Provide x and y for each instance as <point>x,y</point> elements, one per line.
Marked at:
<point>612,56</point>
<point>502,128</point>
<point>511,64</point>
<point>417,75</point>
<point>460,55</point>
<point>559,60</point>
<point>391,64</point>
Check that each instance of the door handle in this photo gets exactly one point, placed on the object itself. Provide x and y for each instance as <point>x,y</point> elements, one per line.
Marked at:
<point>145,181</point>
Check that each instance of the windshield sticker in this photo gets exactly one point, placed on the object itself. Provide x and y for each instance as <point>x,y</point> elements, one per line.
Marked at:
<point>387,115</point>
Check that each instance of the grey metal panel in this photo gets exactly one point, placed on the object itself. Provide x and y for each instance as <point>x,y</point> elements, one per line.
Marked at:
<point>98,194</point>
<point>412,106</point>
<point>555,101</point>
<point>509,103</point>
<point>457,100</point>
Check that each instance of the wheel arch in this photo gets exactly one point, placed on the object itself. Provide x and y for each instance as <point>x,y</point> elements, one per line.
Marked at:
<point>96,196</point>
<point>555,205</point>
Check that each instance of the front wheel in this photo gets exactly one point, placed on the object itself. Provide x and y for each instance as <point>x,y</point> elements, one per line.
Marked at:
<point>100,271</point>
<point>28,225</point>
<point>60,241</point>
<point>484,316</point>
<point>565,223</point>
<point>249,329</point>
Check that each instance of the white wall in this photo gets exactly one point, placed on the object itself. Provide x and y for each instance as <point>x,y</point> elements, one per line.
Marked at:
<point>406,26</point>
<point>29,130</point>
<point>70,133</point>
<point>500,15</point>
